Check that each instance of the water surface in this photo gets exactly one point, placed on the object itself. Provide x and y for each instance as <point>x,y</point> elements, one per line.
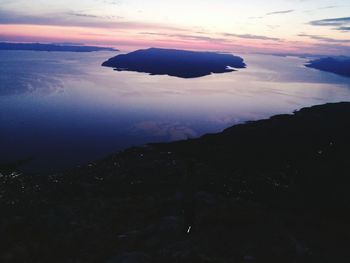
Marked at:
<point>64,109</point>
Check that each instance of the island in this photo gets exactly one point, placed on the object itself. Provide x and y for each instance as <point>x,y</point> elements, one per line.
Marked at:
<point>337,65</point>
<point>176,63</point>
<point>273,190</point>
<point>52,47</point>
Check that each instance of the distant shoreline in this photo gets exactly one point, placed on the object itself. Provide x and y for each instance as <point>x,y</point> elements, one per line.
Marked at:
<point>336,65</point>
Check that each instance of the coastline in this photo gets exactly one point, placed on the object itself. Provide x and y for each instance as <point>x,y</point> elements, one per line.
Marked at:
<point>335,65</point>
<point>250,184</point>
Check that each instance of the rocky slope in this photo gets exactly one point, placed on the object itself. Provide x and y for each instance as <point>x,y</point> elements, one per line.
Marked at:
<point>273,190</point>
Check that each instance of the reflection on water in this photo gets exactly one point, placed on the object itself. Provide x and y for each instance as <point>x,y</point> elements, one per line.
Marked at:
<point>63,109</point>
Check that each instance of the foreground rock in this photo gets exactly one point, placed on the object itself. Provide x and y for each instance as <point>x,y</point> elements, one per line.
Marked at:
<point>274,190</point>
<point>177,63</point>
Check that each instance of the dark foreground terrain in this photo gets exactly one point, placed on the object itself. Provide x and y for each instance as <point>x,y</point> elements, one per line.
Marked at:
<point>274,190</point>
<point>339,65</point>
<point>177,63</point>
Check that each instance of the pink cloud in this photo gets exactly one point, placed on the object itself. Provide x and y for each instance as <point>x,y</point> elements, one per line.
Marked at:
<point>136,37</point>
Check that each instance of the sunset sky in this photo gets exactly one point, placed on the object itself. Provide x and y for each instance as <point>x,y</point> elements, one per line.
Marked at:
<point>297,26</point>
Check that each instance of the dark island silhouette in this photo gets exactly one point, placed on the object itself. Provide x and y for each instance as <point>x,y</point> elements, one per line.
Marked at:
<point>274,190</point>
<point>337,65</point>
<point>52,47</point>
<point>177,63</point>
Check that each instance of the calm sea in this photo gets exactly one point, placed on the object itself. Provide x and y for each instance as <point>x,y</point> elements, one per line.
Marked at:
<point>64,109</point>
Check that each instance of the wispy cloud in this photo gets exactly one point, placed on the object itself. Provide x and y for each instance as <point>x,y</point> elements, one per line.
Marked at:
<point>78,20</point>
<point>341,23</point>
<point>225,36</point>
<point>83,15</point>
<point>93,16</point>
<point>328,7</point>
<point>331,21</point>
<point>344,28</point>
<point>255,17</point>
<point>321,8</point>
<point>325,39</point>
<point>250,36</point>
<point>280,12</point>
<point>186,36</point>
<point>110,2</point>
<point>330,49</point>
